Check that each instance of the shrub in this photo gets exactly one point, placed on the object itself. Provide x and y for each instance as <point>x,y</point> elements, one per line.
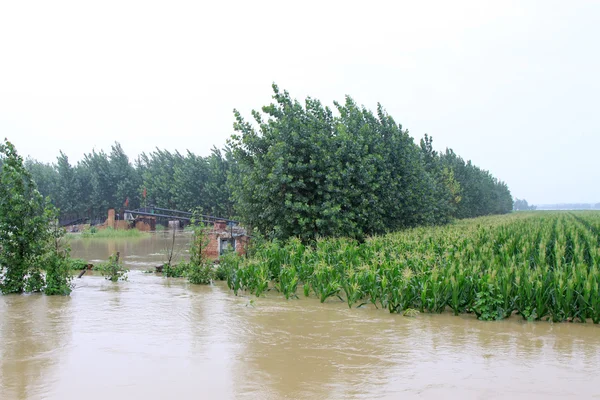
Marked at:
<point>200,274</point>
<point>113,270</point>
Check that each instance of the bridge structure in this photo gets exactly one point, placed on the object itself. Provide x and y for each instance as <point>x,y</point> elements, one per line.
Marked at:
<point>91,216</point>
<point>149,214</point>
<point>174,215</point>
<point>224,234</point>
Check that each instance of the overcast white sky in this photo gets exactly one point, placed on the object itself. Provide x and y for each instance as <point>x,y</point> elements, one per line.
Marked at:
<point>512,85</point>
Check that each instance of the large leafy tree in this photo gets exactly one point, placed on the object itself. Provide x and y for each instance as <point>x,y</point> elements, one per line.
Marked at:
<point>284,189</point>
<point>308,173</point>
<point>24,225</point>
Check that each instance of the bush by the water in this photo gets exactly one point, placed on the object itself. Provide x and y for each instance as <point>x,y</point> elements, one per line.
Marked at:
<point>110,233</point>
<point>113,270</point>
<point>32,257</point>
<point>199,270</point>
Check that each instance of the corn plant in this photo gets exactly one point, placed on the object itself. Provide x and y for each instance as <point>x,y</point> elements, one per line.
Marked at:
<point>325,282</point>
<point>288,282</point>
<point>541,265</point>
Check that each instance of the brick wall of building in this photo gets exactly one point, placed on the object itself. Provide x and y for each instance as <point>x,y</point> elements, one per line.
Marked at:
<point>220,231</point>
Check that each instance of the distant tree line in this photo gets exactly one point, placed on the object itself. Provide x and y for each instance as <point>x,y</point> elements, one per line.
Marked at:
<point>302,171</point>
<point>523,205</point>
<point>172,180</point>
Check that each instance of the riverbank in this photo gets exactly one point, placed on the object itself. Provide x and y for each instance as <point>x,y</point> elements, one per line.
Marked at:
<point>107,233</point>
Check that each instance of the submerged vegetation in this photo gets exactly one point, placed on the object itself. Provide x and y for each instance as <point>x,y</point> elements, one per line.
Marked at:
<point>324,191</point>
<point>113,270</point>
<point>199,269</point>
<point>541,266</point>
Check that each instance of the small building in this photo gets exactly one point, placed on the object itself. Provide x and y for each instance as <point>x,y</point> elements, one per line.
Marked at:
<point>224,237</point>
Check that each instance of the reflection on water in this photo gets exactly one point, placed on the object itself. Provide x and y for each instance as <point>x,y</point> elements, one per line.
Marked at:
<point>141,253</point>
<point>156,338</point>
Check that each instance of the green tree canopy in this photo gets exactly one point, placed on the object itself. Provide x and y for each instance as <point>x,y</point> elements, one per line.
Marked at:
<point>308,173</point>
<point>25,229</point>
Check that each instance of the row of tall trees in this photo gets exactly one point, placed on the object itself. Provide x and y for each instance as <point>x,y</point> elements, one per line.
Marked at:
<point>299,170</point>
<point>309,173</point>
<point>110,180</point>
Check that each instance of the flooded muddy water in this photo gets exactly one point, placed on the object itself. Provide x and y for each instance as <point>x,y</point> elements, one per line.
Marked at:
<point>156,338</point>
<point>141,253</point>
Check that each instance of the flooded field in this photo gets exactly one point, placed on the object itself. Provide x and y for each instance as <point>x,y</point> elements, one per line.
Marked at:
<point>154,338</point>
<point>141,253</point>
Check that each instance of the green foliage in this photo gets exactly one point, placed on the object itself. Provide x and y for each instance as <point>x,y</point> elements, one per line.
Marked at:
<point>109,233</point>
<point>107,180</point>
<point>113,270</point>
<point>201,274</point>
<point>302,170</point>
<point>480,193</point>
<point>288,282</point>
<point>24,226</point>
<point>44,175</point>
<point>30,238</point>
<point>307,173</point>
<point>58,275</point>
<point>187,182</point>
<point>490,301</point>
<point>77,264</point>
<point>57,263</point>
<point>68,187</point>
<point>543,265</point>
<point>199,242</point>
<point>200,269</point>
<point>227,263</point>
<point>523,205</point>
<point>178,270</point>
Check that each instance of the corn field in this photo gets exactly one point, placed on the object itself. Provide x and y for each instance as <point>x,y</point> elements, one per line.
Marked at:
<point>541,266</point>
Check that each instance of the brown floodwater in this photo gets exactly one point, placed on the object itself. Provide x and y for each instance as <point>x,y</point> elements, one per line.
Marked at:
<point>143,253</point>
<point>156,338</point>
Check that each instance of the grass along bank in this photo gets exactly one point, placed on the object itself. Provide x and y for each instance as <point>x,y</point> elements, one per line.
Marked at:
<point>540,265</point>
<point>108,233</point>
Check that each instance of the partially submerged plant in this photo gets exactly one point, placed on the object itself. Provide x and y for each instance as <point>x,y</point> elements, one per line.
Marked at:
<point>113,270</point>
<point>200,269</point>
